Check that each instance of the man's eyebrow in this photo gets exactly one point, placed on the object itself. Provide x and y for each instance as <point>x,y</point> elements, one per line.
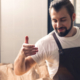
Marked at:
<point>53,19</point>
<point>62,17</point>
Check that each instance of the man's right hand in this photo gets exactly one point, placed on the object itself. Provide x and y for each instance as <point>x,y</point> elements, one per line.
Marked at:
<point>29,49</point>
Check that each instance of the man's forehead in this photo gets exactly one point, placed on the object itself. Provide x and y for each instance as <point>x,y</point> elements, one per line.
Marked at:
<point>61,13</point>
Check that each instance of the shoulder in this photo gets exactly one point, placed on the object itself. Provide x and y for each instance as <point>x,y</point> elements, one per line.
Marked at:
<point>78,30</point>
<point>46,40</point>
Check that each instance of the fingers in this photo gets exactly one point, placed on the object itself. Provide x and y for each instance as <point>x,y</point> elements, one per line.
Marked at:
<point>30,51</point>
<point>26,54</point>
<point>26,39</point>
<point>28,45</point>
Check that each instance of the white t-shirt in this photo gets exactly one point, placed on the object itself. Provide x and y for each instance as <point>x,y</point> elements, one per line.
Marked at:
<point>48,50</point>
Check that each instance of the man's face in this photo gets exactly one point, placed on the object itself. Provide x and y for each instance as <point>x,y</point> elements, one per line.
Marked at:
<point>61,21</point>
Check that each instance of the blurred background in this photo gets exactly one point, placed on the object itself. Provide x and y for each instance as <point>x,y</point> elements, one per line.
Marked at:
<point>20,18</point>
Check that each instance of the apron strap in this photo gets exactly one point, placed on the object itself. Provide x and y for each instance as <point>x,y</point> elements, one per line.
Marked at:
<point>58,43</point>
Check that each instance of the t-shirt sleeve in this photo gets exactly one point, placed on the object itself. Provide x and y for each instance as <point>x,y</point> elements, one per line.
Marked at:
<point>40,56</point>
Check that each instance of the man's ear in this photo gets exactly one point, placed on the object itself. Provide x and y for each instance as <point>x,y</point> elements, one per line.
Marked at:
<point>73,16</point>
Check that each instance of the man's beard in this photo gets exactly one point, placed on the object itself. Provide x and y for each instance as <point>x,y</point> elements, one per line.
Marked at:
<point>62,34</point>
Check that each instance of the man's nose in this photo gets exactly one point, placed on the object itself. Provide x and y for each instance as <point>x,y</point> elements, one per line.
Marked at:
<point>59,24</point>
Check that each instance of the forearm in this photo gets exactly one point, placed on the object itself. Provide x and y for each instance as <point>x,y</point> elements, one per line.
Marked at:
<point>29,63</point>
<point>19,64</point>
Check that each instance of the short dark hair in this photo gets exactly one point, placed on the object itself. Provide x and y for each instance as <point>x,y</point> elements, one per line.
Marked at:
<point>58,4</point>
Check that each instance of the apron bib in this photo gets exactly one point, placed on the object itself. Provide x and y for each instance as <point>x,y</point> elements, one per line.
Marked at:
<point>69,63</point>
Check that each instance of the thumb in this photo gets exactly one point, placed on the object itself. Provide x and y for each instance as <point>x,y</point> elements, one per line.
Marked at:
<point>26,39</point>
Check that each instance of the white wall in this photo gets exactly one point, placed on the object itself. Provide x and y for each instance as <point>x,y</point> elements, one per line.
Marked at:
<point>0,31</point>
<point>18,19</point>
<point>72,1</point>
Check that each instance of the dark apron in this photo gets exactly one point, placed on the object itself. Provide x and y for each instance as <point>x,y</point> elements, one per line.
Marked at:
<point>69,63</point>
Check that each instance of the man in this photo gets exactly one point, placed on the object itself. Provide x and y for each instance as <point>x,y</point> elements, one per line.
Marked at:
<point>60,48</point>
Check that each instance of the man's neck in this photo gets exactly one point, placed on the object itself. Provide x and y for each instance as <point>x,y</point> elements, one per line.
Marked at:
<point>72,32</point>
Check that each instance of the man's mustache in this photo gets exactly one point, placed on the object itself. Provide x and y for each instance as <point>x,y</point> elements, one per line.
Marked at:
<point>61,28</point>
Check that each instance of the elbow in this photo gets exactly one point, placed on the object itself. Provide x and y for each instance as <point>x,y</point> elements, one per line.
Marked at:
<point>17,69</point>
<point>19,73</point>
<point>16,72</point>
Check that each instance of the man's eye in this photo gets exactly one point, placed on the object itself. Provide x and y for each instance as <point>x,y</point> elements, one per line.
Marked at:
<point>63,20</point>
<point>55,20</point>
